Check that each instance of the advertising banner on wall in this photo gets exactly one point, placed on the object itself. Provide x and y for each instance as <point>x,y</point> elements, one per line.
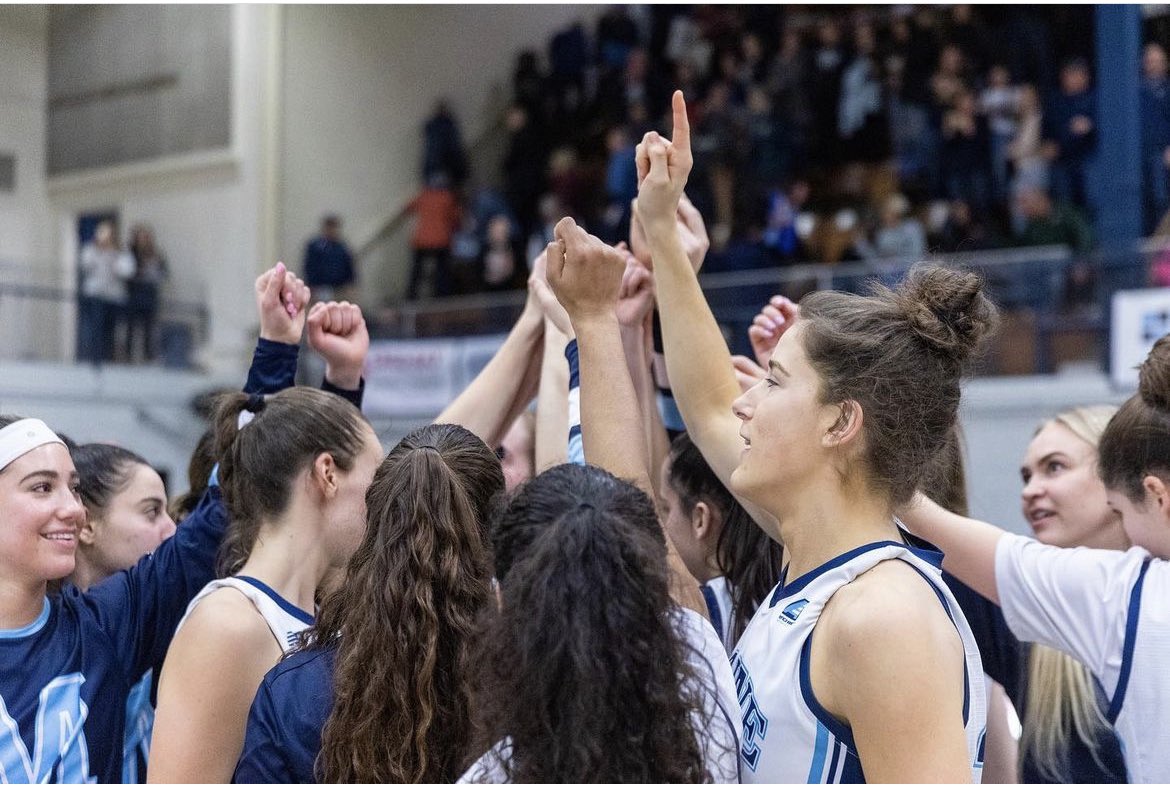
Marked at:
<point>1140,317</point>
<point>418,377</point>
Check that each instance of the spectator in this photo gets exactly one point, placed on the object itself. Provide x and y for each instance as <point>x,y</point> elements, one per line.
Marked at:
<point>437,212</point>
<point>502,257</point>
<point>967,33</point>
<point>788,84</point>
<point>900,237</point>
<point>621,184</point>
<point>949,79</point>
<point>443,152</point>
<point>782,236</point>
<point>105,269</point>
<point>524,166</point>
<point>828,61</point>
<point>635,84</point>
<point>142,293</point>
<point>962,231</point>
<point>767,149</point>
<point>568,54</point>
<point>966,152</point>
<point>1026,151</point>
<point>617,35</point>
<point>329,270</point>
<point>861,121</point>
<point>1155,134</point>
<point>999,103</point>
<point>1052,224</point>
<point>1072,133</point>
<point>713,145</point>
<point>530,87</point>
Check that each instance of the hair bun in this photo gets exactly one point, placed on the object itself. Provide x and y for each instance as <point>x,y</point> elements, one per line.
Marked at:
<point>947,309</point>
<point>1154,376</point>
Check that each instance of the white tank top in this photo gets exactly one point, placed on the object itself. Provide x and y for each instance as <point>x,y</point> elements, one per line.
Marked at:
<point>788,737</point>
<point>285,620</point>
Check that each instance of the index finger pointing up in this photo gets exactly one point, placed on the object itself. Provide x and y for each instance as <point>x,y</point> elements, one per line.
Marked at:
<point>682,126</point>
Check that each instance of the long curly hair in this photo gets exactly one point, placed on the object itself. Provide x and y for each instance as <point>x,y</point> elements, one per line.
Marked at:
<point>402,621</point>
<point>582,672</point>
<point>746,556</point>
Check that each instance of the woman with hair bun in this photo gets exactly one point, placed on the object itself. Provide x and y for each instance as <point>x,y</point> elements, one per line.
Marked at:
<point>860,664</point>
<point>379,690</point>
<point>1106,608</point>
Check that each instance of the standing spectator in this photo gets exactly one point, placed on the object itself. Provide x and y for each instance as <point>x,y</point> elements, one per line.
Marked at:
<point>1026,151</point>
<point>329,270</point>
<point>788,84</point>
<point>105,269</point>
<point>966,31</point>
<point>966,153</point>
<point>524,166</point>
<point>828,61</point>
<point>713,144</point>
<point>443,151</point>
<point>436,210</point>
<point>861,122</point>
<point>999,103</point>
<point>530,87</point>
<point>616,36</point>
<point>768,150</point>
<point>568,54</point>
<point>1072,132</point>
<point>1155,134</point>
<point>150,271</point>
<point>621,184</point>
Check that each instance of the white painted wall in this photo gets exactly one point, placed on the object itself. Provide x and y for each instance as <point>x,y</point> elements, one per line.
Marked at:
<point>359,83</point>
<point>210,211</point>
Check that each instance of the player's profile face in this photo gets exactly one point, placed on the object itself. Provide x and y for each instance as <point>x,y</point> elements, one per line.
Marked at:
<point>347,517</point>
<point>1063,499</point>
<point>41,514</point>
<point>134,523</point>
<point>782,424</point>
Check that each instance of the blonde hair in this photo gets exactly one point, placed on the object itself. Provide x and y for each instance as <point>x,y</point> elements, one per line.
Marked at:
<point>1061,698</point>
<point>1088,423</point>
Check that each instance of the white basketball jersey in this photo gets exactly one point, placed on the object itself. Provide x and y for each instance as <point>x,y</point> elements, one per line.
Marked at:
<point>788,737</point>
<point>717,594</point>
<point>285,620</point>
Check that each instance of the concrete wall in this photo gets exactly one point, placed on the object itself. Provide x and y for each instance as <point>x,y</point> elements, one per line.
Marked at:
<point>358,83</point>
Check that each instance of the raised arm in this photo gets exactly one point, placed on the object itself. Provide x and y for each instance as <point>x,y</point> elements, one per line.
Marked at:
<point>697,358</point>
<point>337,332</point>
<point>968,545</point>
<point>552,402</point>
<point>586,276</point>
<point>506,384</point>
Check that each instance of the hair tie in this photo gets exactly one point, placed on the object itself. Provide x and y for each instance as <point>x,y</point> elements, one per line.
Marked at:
<point>253,406</point>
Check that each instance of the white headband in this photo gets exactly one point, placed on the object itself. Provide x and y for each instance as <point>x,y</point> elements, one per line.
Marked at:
<point>21,437</point>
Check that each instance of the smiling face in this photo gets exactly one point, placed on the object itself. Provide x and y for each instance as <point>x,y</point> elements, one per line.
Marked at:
<point>133,523</point>
<point>40,513</point>
<point>784,423</point>
<point>1063,499</point>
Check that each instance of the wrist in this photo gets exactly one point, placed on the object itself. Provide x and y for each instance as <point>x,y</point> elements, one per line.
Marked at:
<point>344,377</point>
<point>593,322</point>
<point>278,337</point>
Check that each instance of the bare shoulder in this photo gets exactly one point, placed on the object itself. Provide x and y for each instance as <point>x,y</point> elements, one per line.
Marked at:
<point>890,618</point>
<point>225,621</point>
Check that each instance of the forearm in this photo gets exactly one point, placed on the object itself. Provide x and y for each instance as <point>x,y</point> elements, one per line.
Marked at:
<point>698,361</point>
<point>968,545</point>
<point>483,408</point>
<point>613,435</point>
<point>638,362</point>
<point>274,367</point>
<point>552,403</point>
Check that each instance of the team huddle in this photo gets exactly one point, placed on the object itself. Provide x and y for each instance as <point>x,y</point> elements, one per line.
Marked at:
<point>714,569</point>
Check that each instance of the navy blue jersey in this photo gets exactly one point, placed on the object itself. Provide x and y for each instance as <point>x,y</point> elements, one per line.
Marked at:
<point>283,736</point>
<point>66,677</point>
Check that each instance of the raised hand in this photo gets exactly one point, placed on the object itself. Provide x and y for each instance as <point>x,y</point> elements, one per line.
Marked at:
<point>636,298</point>
<point>539,290</point>
<point>768,325</point>
<point>584,273</point>
<point>663,166</point>
<point>337,332</point>
<point>281,298</point>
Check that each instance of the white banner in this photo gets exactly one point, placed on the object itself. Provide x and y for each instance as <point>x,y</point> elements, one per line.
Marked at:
<point>1140,317</point>
<point>419,377</point>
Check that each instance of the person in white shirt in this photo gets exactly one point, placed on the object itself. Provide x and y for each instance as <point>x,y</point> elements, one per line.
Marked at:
<point>1106,608</point>
<point>105,269</point>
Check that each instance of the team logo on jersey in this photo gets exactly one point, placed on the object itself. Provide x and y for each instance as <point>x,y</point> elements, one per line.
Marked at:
<point>792,611</point>
<point>60,752</point>
<point>755,725</point>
